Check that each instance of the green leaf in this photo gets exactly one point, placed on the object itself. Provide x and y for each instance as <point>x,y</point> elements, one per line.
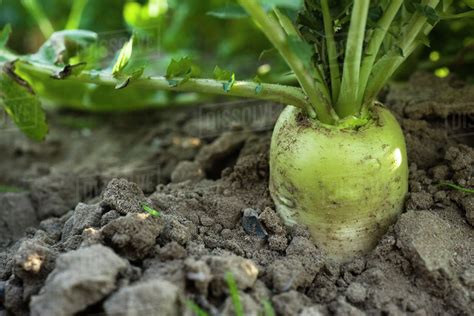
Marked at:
<point>302,49</point>
<point>22,106</point>
<point>123,58</point>
<point>64,45</point>
<point>225,75</point>
<point>447,4</point>
<point>259,87</point>
<point>427,11</point>
<point>423,39</point>
<point>183,68</point>
<point>135,74</point>
<point>463,15</point>
<point>410,5</point>
<point>150,211</point>
<point>469,3</point>
<point>288,4</point>
<point>5,35</point>
<point>230,11</point>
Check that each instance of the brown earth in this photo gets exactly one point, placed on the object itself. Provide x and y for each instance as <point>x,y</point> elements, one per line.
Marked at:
<point>75,239</point>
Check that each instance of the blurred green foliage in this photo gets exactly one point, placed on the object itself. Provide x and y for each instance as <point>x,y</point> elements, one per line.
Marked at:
<point>169,29</point>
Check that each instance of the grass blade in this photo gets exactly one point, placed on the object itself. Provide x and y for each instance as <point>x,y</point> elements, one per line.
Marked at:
<point>234,294</point>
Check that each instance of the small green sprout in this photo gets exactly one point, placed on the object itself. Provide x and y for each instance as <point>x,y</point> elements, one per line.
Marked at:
<point>234,294</point>
<point>268,308</point>
<point>150,211</point>
<point>198,311</point>
<point>455,187</point>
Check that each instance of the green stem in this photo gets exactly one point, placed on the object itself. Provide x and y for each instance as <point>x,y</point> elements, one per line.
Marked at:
<point>75,15</point>
<point>388,64</point>
<point>332,51</point>
<point>374,45</point>
<point>316,90</point>
<point>347,102</point>
<point>37,12</point>
<point>271,92</point>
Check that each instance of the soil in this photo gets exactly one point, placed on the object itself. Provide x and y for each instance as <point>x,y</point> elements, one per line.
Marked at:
<point>74,238</point>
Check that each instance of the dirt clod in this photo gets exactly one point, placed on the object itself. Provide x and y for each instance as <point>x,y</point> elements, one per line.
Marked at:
<point>290,303</point>
<point>244,271</point>
<point>80,279</point>
<point>134,235</point>
<point>123,196</point>
<point>153,297</point>
<point>187,170</point>
<point>16,214</point>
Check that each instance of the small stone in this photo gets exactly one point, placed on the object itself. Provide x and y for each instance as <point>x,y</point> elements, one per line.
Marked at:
<point>424,238</point>
<point>272,221</point>
<point>290,303</point>
<point>468,205</point>
<point>187,170</point>
<point>251,224</point>
<point>123,196</point>
<point>245,272</point>
<point>356,266</point>
<point>133,235</point>
<point>199,273</point>
<point>301,246</point>
<point>314,310</point>
<point>467,277</point>
<point>210,155</point>
<point>172,251</point>
<point>55,195</point>
<point>178,229</point>
<point>81,278</point>
<point>420,201</point>
<point>16,214</point>
<point>440,172</point>
<point>440,196</point>
<point>53,226</point>
<point>277,242</point>
<point>108,217</point>
<point>84,216</point>
<point>341,307</point>
<point>287,274</point>
<point>152,298</point>
<point>356,293</point>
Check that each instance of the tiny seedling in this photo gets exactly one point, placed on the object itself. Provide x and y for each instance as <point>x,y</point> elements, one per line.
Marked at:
<point>338,161</point>
<point>198,311</point>
<point>234,294</point>
<point>236,302</point>
<point>150,211</point>
<point>456,187</point>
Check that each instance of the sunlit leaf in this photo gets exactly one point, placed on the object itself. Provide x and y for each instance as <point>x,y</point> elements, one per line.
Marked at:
<point>231,11</point>
<point>289,4</point>
<point>183,68</point>
<point>123,58</point>
<point>427,11</point>
<point>469,3</point>
<point>225,75</point>
<point>64,45</point>
<point>23,107</point>
<point>5,35</point>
